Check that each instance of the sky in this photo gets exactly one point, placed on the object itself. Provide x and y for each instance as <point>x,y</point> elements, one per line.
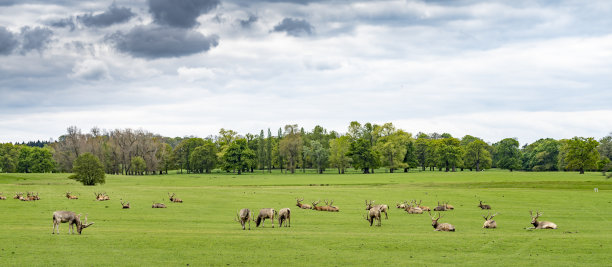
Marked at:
<point>491,69</point>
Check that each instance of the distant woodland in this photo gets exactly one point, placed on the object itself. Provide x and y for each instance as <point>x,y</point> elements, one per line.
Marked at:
<point>365,147</point>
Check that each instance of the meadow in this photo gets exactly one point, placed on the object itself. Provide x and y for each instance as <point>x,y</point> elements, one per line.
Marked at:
<point>202,230</point>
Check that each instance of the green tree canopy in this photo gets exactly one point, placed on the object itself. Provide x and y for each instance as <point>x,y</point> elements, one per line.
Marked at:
<point>542,155</point>
<point>581,153</point>
<point>138,165</point>
<point>477,155</point>
<point>88,170</point>
<point>319,155</point>
<point>238,156</point>
<point>204,158</point>
<point>8,157</point>
<point>339,148</point>
<point>507,154</point>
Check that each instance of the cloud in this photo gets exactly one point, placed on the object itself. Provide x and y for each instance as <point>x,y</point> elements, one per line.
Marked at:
<point>8,41</point>
<point>246,23</point>
<point>180,14</point>
<point>294,27</point>
<point>90,70</point>
<point>62,23</point>
<point>35,39</point>
<point>112,15</point>
<point>153,42</point>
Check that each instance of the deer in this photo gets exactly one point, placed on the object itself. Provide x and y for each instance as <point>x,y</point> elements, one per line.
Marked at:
<point>448,206</point>
<point>69,195</point>
<point>125,205</point>
<point>424,208</point>
<point>284,215</point>
<point>484,206</point>
<point>414,209</point>
<point>331,207</point>
<point>446,227</point>
<point>440,207</point>
<point>36,197</point>
<point>18,196</point>
<point>382,207</point>
<point>543,224</point>
<point>174,199</point>
<point>373,215</point>
<point>2,197</point>
<point>315,207</point>
<point>302,206</point>
<point>158,205</point>
<point>105,196</point>
<point>30,197</point>
<point>489,222</point>
<point>402,205</point>
<point>71,218</point>
<point>265,214</point>
<point>243,216</point>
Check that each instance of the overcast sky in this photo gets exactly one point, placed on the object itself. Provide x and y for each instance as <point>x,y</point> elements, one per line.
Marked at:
<point>492,69</point>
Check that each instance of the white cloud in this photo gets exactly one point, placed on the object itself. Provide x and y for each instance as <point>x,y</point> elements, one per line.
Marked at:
<point>90,70</point>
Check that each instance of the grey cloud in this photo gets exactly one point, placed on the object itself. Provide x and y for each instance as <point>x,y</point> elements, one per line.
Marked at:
<point>153,42</point>
<point>246,23</point>
<point>35,39</point>
<point>181,14</point>
<point>62,23</point>
<point>112,15</point>
<point>8,41</point>
<point>294,27</point>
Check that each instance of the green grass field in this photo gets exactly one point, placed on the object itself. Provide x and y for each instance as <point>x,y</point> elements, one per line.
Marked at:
<point>202,231</point>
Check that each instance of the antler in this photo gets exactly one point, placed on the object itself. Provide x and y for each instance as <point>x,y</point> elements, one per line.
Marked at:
<point>331,203</point>
<point>491,218</point>
<point>486,217</point>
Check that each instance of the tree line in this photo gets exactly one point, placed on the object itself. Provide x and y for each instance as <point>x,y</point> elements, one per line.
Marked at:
<point>365,147</point>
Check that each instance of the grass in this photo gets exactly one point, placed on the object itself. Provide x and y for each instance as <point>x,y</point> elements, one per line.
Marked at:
<point>202,231</point>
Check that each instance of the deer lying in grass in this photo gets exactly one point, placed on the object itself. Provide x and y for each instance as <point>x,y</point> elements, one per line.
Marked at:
<point>541,225</point>
<point>302,206</point>
<point>448,206</point>
<point>31,197</point>
<point>174,199</point>
<point>382,207</point>
<point>373,215</point>
<point>414,209</point>
<point>101,196</point>
<point>125,205</point>
<point>18,195</point>
<point>284,215</point>
<point>69,195</point>
<point>424,208</point>
<point>402,205</point>
<point>263,215</point>
<point>484,206</point>
<point>489,222</point>
<point>440,207</point>
<point>243,216</point>
<point>71,218</point>
<point>447,227</point>
<point>330,206</point>
<point>158,205</point>
<point>315,207</point>
<point>2,197</point>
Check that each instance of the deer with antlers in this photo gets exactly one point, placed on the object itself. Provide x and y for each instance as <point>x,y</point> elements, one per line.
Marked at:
<point>402,205</point>
<point>158,205</point>
<point>243,216</point>
<point>174,199</point>
<point>424,208</point>
<point>374,215</point>
<point>125,205</point>
<point>72,219</point>
<point>302,206</point>
<point>2,197</point>
<point>18,196</point>
<point>440,207</point>
<point>69,195</point>
<point>315,207</point>
<point>484,206</point>
<point>382,207</point>
<point>446,227</point>
<point>284,215</point>
<point>414,209</point>
<point>543,224</point>
<point>265,214</point>
<point>101,196</point>
<point>489,222</point>
<point>330,206</point>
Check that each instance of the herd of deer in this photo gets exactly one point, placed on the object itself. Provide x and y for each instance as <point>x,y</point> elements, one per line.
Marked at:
<point>245,216</point>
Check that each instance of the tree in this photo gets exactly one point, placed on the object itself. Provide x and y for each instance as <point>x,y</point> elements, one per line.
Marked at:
<point>9,155</point>
<point>363,156</point>
<point>422,150</point>
<point>318,154</point>
<point>183,150</point>
<point>290,146</point>
<point>410,159</point>
<point>138,165</point>
<point>204,158</point>
<point>166,158</point>
<point>238,156</point>
<point>507,154</point>
<point>477,156</point>
<point>88,170</point>
<point>581,153</point>
<point>261,151</point>
<point>339,148</point>
<point>269,142</point>
<point>392,147</point>
<point>449,153</point>
<point>542,155</point>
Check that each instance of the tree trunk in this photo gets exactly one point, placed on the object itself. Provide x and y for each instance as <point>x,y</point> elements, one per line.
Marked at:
<point>477,166</point>
<point>366,170</point>
<point>391,170</point>
<point>581,170</point>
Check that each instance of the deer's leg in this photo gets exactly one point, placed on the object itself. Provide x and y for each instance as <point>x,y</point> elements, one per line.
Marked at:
<point>386,216</point>
<point>289,219</point>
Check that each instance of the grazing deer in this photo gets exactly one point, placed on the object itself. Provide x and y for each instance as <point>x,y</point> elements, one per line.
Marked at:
<point>424,208</point>
<point>484,206</point>
<point>158,205</point>
<point>440,207</point>
<point>174,199</point>
<point>447,227</point>
<point>243,216</point>
<point>71,218</point>
<point>489,222</point>
<point>265,214</point>
<point>331,207</point>
<point>374,215</point>
<point>382,207</point>
<point>541,225</point>
<point>302,206</point>
<point>284,215</point>
<point>69,195</point>
<point>315,207</point>
<point>125,205</point>
<point>2,197</point>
